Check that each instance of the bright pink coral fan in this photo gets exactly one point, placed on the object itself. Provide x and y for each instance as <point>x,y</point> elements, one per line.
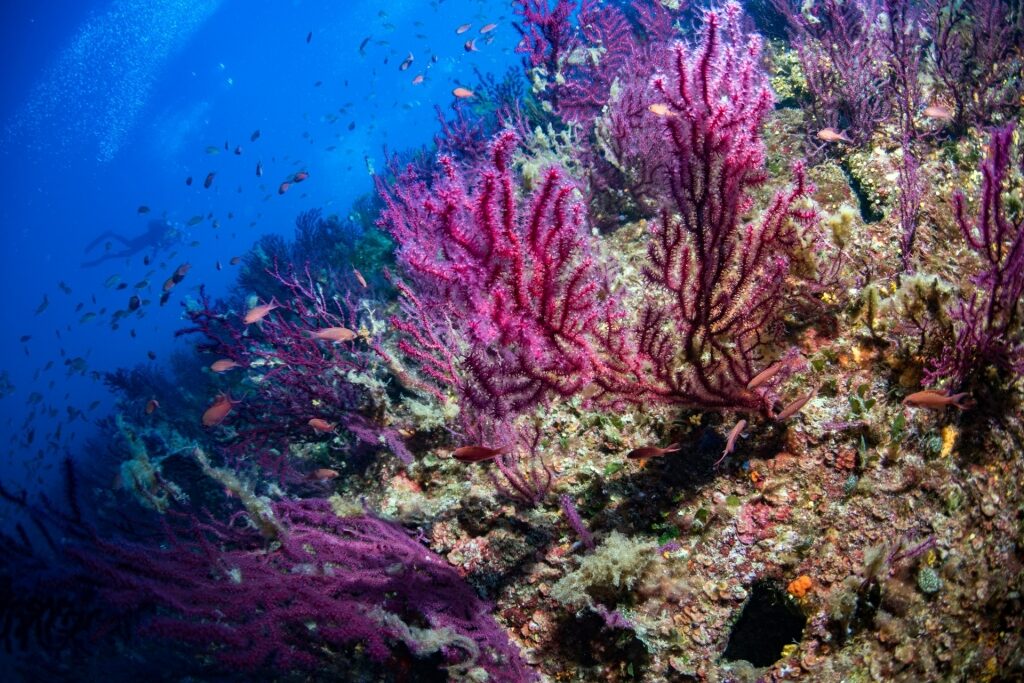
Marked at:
<point>503,298</point>
<point>722,280</point>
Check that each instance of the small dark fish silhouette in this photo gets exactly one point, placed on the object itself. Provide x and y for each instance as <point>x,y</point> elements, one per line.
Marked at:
<point>188,181</point>
<point>651,452</point>
<point>309,37</point>
<point>209,179</point>
<point>143,209</point>
<point>255,135</point>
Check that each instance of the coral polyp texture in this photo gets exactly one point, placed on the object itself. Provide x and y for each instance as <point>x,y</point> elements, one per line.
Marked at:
<point>690,350</point>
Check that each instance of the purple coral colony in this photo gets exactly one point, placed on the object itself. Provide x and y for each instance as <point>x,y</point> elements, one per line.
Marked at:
<point>691,350</point>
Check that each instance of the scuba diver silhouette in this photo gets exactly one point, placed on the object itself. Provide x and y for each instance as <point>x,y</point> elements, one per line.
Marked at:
<point>159,235</point>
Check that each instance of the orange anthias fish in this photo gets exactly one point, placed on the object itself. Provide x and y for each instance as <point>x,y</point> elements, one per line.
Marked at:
<point>487,28</point>
<point>470,46</point>
<point>418,79</point>
<point>765,375</point>
<point>219,410</point>
<point>938,112</point>
<point>151,406</point>
<point>478,453</point>
<point>938,400</point>
<point>320,424</point>
<point>283,187</point>
<point>730,442</point>
<point>794,407</point>
<point>463,93</point>
<point>648,452</point>
<point>258,313</point>
<point>832,135</point>
<point>406,63</point>
<point>462,29</point>
<point>223,365</point>
<point>660,109</point>
<point>323,474</point>
<point>359,278</point>
<point>334,334</point>
<point>300,176</point>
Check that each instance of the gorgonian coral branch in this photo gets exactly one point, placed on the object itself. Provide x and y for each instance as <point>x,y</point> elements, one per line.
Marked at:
<point>502,297</point>
<point>719,281</point>
<point>987,325</point>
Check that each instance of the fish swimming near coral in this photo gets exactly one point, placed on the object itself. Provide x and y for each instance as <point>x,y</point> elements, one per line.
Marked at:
<point>321,425</point>
<point>648,452</point>
<point>938,400</point>
<point>359,278</point>
<point>218,410</point>
<point>832,135</point>
<point>765,375</point>
<point>322,474</point>
<point>334,334</point>
<point>478,453</point>
<point>734,434</point>
<point>793,408</point>
<point>938,112</point>
<point>661,109</point>
<point>258,313</point>
<point>223,365</point>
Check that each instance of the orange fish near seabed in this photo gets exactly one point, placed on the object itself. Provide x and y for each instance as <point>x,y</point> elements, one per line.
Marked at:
<point>463,93</point>
<point>938,112</point>
<point>478,453</point>
<point>151,406</point>
<point>730,442</point>
<point>223,365</point>
<point>832,135</point>
<point>765,375</point>
<point>648,452</point>
<point>938,400</point>
<point>219,410</point>
<point>794,407</point>
<point>323,474</point>
<point>321,425</point>
<point>659,109</point>
<point>334,334</point>
<point>258,313</point>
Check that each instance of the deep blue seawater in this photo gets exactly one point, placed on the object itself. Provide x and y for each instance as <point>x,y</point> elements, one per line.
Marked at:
<point>107,107</point>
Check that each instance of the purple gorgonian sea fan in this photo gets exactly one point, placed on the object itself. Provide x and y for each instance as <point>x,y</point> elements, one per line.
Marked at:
<point>987,330</point>
<point>327,583</point>
<point>711,320</point>
<point>501,296</point>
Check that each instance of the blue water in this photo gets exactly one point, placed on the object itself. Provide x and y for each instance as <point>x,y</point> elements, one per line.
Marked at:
<point>107,107</point>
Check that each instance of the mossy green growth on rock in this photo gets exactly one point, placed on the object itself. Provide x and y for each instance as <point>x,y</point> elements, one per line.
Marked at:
<point>613,568</point>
